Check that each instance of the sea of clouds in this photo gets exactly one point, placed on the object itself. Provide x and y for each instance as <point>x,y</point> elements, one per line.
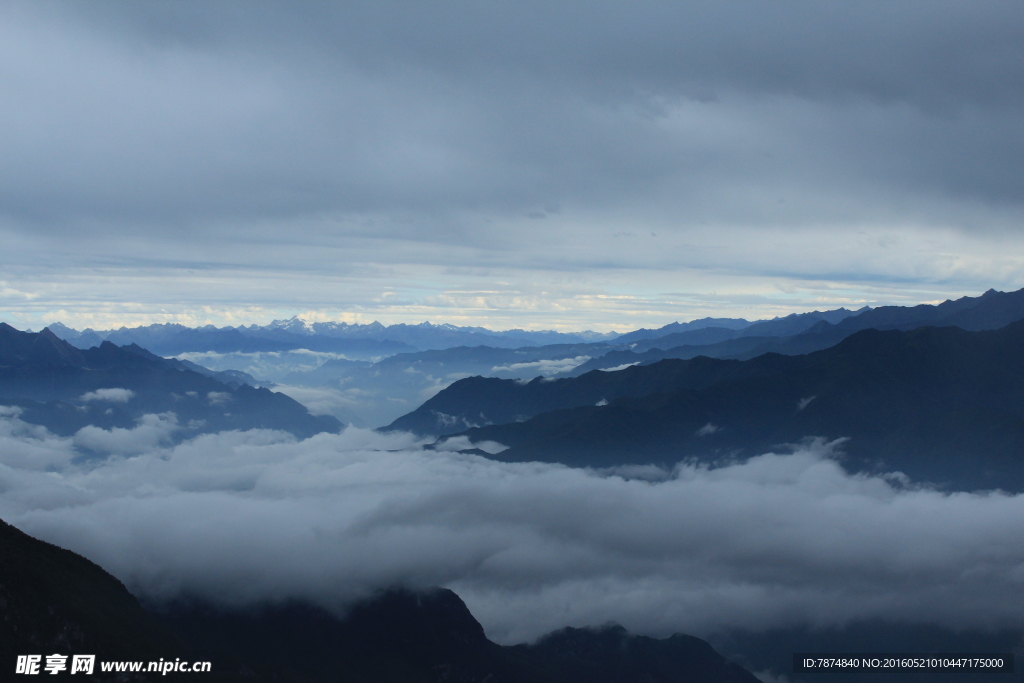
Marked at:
<point>781,539</point>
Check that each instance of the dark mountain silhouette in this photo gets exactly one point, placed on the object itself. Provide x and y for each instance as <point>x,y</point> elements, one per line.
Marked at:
<point>674,328</point>
<point>52,600</point>
<point>698,337</point>
<point>480,401</point>
<point>718,330</point>
<point>613,655</point>
<point>939,404</point>
<point>61,387</point>
<point>793,335</point>
<point>399,636</point>
<point>989,311</point>
<point>821,336</point>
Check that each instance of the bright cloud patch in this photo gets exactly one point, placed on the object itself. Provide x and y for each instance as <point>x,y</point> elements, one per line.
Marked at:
<point>543,367</point>
<point>708,430</point>
<point>620,367</point>
<point>218,398</point>
<point>150,432</point>
<point>112,395</point>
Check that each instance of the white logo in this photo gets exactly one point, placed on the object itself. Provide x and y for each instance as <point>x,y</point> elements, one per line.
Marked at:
<point>56,663</point>
<point>82,663</point>
<point>29,665</point>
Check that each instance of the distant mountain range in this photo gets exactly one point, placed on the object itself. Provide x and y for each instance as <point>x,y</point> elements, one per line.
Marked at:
<point>171,339</point>
<point>478,402</point>
<point>710,330</point>
<point>376,340</point>
<point>51,383</point>
<point>370,375</point>
<point>807,332</point>
<point>54,601</point>
<point>358,341</point>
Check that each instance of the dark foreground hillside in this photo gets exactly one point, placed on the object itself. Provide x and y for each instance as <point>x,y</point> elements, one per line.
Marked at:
<point>54,601</point>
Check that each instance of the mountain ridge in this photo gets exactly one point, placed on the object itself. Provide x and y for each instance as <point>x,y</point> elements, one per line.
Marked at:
<point>991,310</point>
<point>54,600</point>
<point>65,389</point>
<point>939,404</point>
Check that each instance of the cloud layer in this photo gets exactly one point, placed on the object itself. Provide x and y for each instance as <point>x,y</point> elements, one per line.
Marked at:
<point>508,163</point>
<point>781,539</point>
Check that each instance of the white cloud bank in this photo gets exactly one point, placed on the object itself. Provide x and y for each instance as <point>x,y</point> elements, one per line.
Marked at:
<point>111,395</point>
<point>149,432</point>
<point>619,367</point>
<point>781,539</point>
<point>543,367</point>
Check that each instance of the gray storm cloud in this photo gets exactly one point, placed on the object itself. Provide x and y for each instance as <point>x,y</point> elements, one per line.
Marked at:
<point>392,149</point>
<point>184,115</point>
<point>784,538</point>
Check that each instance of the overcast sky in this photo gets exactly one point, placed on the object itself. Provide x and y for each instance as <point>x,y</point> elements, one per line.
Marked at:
<point>599,165</point>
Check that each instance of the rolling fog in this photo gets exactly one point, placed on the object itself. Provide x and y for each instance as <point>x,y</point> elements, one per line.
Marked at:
<point>785,538</point>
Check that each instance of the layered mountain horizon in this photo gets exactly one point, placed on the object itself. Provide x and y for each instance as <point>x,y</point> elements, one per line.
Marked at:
<point>370,375</point>
<point>282,335</point>
<point>504,342</point>
<point>679,480</point>
<point>420,336</point>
